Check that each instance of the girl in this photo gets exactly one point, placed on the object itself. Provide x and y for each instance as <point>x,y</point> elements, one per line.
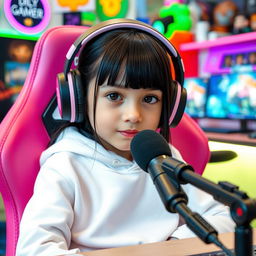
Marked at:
<point>89,193</point>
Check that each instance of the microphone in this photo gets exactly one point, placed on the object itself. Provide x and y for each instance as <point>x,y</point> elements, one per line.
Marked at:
<point>147,145</point>
<point>150,151</point>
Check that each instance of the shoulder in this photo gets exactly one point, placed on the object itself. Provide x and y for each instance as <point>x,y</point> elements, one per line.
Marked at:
<point>69,142</point>
<point>68,133</point>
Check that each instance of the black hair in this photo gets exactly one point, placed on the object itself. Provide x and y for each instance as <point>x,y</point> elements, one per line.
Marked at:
<point>147,65</point>
<point>146,61</point>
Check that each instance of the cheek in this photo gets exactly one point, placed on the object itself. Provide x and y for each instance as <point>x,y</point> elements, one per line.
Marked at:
<point>157,118</point>
<point>153,118</point>
<point>105,117</point>
<point>158,112</point>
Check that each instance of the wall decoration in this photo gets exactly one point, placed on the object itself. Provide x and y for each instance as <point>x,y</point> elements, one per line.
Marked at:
<point>72,18</point>
<point>110,9</point>
<point>14,65</point>
<point>73,5</point>
<point>88,18</point>
<point>27,16</point>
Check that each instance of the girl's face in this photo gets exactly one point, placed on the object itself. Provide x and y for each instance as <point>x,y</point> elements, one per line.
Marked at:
<point>121,113</point>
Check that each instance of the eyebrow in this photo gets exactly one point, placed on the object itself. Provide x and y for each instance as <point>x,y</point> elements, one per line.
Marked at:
<point>125,88</point>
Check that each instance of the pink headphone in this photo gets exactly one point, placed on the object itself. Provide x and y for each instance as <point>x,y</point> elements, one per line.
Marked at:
<point>69,87</point>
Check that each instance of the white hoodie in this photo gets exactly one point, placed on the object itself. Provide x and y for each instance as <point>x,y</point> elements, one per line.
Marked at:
<point>88,198</point>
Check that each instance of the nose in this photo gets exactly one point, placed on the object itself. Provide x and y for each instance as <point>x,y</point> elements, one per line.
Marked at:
<point>132,113</point>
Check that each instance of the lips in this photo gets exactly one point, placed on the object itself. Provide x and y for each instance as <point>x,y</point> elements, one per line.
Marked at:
<point>129,133</point>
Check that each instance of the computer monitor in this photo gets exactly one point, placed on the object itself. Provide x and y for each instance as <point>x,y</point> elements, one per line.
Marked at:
<point>196,96</point>
<point>15,58</point>
<point>232,96</point>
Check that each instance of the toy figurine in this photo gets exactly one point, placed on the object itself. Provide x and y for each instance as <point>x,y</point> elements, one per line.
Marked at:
<point>253,22</point>
<point>241,24</point>
<point>228,61</point>
<point>240,59</point>
<point>252,58</point>
<point>223,17</point>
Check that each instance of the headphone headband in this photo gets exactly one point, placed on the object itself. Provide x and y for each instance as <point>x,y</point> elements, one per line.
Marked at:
<point>70,90</point>
<point>108,25</point>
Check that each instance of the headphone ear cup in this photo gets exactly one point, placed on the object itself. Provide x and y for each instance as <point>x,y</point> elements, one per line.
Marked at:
<point>70,96</point>
<point>79,96</point>
<point>63,97</point>
<point>178,107</point>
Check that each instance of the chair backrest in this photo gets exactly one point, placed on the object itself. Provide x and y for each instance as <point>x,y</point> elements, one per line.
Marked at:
<point>23,135</point>
<point>192,143</point>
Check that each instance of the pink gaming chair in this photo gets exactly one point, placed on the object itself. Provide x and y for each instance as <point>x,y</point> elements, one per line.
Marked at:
<point>24,133</point>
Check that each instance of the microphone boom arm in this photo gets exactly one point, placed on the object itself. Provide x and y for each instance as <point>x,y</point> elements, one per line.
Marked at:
<point>175,201</point>
<point>242,208</point>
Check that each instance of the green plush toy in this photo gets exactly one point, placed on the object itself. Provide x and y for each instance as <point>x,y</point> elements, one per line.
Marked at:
<point>172,18</point>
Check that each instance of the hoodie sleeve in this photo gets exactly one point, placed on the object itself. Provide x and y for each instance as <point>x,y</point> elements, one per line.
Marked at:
<point>45,228</point>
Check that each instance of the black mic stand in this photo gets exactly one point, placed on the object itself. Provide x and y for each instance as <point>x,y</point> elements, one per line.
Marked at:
<point>242,208</point>
<point>175,201</point>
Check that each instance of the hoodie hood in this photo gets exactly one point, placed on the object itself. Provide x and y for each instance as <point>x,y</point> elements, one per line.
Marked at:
<point>72,141</point>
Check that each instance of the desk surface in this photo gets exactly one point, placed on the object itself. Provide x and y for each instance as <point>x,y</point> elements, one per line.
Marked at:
<point>236,138</point>
<point>168,248</point>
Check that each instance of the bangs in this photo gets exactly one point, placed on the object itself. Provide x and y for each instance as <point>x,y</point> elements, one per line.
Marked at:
<point>138,58</point>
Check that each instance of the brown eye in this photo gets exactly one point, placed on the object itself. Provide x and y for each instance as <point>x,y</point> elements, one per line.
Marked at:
<point>151,99</point>
<point>114,96</point>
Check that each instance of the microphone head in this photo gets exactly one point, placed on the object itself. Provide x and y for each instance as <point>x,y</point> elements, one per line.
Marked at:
<point>147,145</point>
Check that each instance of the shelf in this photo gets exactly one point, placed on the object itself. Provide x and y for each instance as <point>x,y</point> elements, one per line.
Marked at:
<point>227,40</point>
<point>16,34</point>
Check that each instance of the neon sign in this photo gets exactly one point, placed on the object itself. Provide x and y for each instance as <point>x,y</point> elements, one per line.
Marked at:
<point>27,16</point>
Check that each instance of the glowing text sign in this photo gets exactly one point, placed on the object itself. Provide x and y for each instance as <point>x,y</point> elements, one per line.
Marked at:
<point>27,16</point>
